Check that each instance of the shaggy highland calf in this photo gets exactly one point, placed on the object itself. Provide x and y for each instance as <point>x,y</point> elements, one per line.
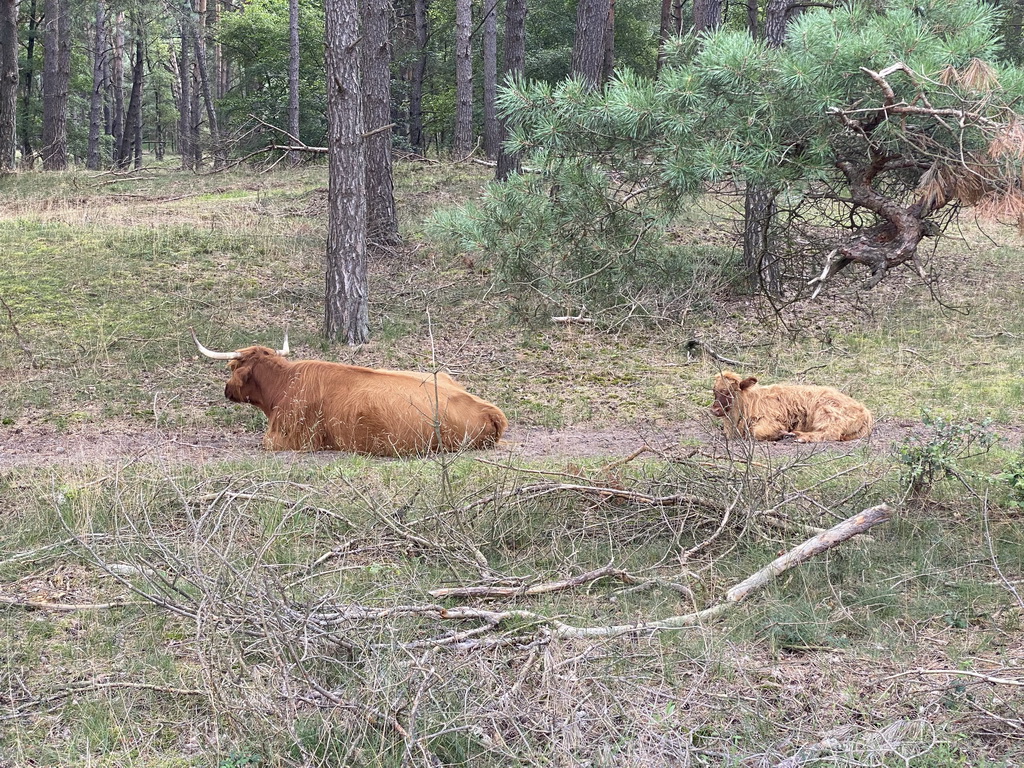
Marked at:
<point>313,405</point>
<point>809,413</point>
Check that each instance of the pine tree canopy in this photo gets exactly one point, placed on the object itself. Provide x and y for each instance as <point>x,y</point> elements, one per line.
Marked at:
<point>878,119</point>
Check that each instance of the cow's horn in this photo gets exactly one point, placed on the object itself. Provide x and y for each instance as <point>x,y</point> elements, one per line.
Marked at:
<point>215,355</point>
<point>284,351</point>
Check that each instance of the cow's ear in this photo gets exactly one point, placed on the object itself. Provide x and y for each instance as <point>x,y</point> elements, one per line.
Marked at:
<point>748,382</point>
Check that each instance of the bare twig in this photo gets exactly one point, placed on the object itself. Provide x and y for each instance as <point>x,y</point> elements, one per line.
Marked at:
<point>962,673</point>
<point>694,345</point>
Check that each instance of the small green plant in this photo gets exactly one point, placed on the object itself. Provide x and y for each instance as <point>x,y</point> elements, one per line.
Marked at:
<point>1013,476</point>
<point>941,451</point>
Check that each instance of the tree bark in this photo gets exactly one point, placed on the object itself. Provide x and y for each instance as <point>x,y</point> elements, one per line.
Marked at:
<point>56,76</point>
<point>608,63</point>
<point>419,70</point>
<point>27,154</point>
<point>382,219</point>
<point>347,289</point>
<point>462,144</point>
<point>93,160</point>
<point>199,32</point>
<point>8,83</point>
<point>293,75</point>
<point>707,15</point>
<point>760,259</point>
<point>117,89</point>
<point>133,117</point>
<point>492,133</point>
<point>185,100</point>
<point>589,45</point>
<point>515,65</point>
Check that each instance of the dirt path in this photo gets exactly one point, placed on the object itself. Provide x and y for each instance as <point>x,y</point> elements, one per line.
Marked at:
<point>42,445</point>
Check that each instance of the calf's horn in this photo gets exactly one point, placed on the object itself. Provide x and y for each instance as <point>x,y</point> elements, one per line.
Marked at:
<point>284,351</point>
<point>218,355</point>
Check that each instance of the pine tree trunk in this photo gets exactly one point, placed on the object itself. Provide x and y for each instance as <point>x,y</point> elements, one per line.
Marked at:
<point>608,65</point>
<point>216,148</point>
<point>492,135</point>
<point>56,76</point>
<point>515,64</point>
<point>707,15</point>
<point>760,259</point>
<point>382,220</point>
<point>117,89</point>
<point>665,31</point>
<point>462,144</point>
<point>347,289</point>
<point>93,160</point>
<point>419,71</point>
<point>589,45</point>
<point>293,75</point>
<point>27,154</point>
<point>133,118</point>
<point>185,101</point>
<point>8,83</point>
<point>199,34</point>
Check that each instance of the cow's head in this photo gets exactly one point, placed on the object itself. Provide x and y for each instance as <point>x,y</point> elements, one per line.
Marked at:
<point>245,386</point>
<point>727,386</point>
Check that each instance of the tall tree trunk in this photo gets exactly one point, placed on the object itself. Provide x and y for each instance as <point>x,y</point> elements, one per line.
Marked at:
<point>28,78</point>
<point>381,217</point>
<point>199,33</point>
<point>8,83</point>
<point>133,118</point>
<point>347,287</point>
<point>293,75</point>
<point>419,72</point>
<point>515,64</point>
<point>56,77</point>
<point>219,152</point>
<point>462,144</point>
<point>707,15</point>
<point>608,65</point>
<point>185,100</point>
<point>589,45</point>
<point>492,134</point>
<point>666,30</point>
<point>117,89</point>
<point>760,259</point>
<point>158,126</point>
<point>93,161</point>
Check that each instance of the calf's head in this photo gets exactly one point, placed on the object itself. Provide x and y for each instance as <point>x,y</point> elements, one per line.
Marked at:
<point>728,385</point>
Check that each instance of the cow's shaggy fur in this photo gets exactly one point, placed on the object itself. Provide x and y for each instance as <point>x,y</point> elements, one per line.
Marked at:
<point>313,405</point>
<point>809,413</point>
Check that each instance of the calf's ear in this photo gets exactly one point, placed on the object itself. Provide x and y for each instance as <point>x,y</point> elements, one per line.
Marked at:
<point>748,382</point>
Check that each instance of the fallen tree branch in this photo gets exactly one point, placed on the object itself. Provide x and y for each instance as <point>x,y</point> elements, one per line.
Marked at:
<point>963,672</point>
<point>697,345</point>
<point>835,535</point>
<point>47,606</point>
<point>799,554</point>
<point>529,590</point>
<point>603,493</point>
